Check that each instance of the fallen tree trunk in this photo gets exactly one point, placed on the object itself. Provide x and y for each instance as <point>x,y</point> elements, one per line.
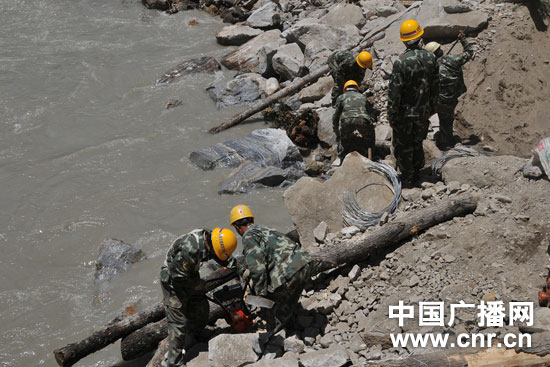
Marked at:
<point>158,357</point>
<point>148,337</point>
<point>359,248</point>
<point>291,89</point>
<point>116,329</point>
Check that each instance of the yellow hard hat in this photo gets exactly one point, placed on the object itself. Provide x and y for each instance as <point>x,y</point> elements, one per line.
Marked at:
<point>350,83</point>
<point>224,242</point>
<point>239,212</point>
<point>432,47</point>
<point>410,30</point>
<point>364,60</point>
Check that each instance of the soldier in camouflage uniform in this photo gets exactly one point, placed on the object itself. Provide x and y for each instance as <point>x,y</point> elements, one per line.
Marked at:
<point>411,100</point>
<point>352,123</point>
<point>451,86</point>
<point>344,66</point>
<point>186,306</point>
<point>277,266</point>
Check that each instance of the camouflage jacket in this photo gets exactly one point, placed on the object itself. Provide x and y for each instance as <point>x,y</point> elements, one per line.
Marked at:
<point>184,259</point>
<point>343,67</point>
<point>271,257</point>
<point>349,105</point>
<point>413,85</point>
<point>451,79</point>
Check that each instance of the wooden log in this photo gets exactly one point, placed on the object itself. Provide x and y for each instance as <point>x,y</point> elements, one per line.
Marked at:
<point>148,337</point>
<point>291,89</point>
<point>158,357</point>
<point>359,248</point>
<point>116,329</point>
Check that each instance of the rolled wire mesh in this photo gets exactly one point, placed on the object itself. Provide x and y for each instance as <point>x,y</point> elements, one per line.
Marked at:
<point>456,152</point>
<point>354,215</point>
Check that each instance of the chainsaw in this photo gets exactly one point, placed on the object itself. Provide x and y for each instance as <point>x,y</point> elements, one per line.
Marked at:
<point>237,314</point>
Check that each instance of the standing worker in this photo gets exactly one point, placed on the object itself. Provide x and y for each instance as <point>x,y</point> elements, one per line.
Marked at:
<point>352,124</point>
<point>186,306</point>
<point>277,266</point>
<point>451,86</point>
<point>344,66</point>
<point>412,99</point>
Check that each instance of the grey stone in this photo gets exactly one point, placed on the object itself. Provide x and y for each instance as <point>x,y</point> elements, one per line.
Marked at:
<point>115,256</point>
<point>500,170</point>
<point>414,280</point>
<point>427,193</point>
<point>310,29</point>
<point>449,258</point>
<point>502,198</point>
<point>236,92</point>
<point>334,356</point>
<point>317,90</point>
<point>451,7</point>
<point>382,132</point>
<point>320,232</point>
<point>277,362</point>
<point>205,64</point>
<point>293,344</point>
<point>236,35</point>
<point>439,24</point>
<point>255,55</point>
<point>453,186</point>
<point>342,14</point>
<point>325,131</point>
<point>267,15</point>
<point>311,200</point>
<point>385,11</point>
<point>271,86</point>
<point>229,350</point>
<point>354,273</point>
<point>316,54</point>
<point>351,230</point>
<point>288,61</point>
<point>531,170</point>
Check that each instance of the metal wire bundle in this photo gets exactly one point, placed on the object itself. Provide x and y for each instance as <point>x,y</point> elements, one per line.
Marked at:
<point>456,152</point>
<point>354,215</point>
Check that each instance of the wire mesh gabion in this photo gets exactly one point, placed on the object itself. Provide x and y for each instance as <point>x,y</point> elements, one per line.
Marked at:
<point>456,152</point>
<point>354,215</point>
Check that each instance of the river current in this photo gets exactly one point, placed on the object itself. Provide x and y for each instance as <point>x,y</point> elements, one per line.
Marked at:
<point>87,152</point>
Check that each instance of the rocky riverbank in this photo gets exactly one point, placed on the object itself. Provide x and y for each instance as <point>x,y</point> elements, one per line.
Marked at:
<point>498,253</point>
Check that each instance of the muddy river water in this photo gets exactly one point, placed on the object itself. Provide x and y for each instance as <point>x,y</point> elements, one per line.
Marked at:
<point>87,152</point>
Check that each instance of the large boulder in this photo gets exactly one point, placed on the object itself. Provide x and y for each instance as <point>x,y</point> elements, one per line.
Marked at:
<point>238,91</point>
<point>255,55</point>
<point>115,256</point>
<point>317,90</point>
<point>334,356</point>
<point>316,55</point>
<point>483,171</point>
<point>311,201</point>
<point>230,350</point>
<point>288,61</point>
<point>205,64</point>
<point>342,14</point>
<point>437,23</point>
<point>325,132</point>
<point>236,35</point>
<point>311,29</point>
<point>266,16</point>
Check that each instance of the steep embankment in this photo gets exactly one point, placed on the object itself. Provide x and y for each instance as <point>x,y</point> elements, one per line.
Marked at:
<point>506,105</point>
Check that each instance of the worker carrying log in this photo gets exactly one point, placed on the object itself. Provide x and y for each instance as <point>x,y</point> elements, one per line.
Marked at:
<point>451,86</point>
<point>412,99</point>
<point>276,267</point>
<point>344,66</point>
<point>352,123</point>
<point>184,291</point>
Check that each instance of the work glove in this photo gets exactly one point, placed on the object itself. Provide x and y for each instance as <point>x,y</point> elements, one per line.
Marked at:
<point>460,34</point>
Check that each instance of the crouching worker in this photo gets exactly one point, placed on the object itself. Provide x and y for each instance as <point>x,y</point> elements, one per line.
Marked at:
<point>278,268</point>
<point>352,124</point>
<point>184,291</point>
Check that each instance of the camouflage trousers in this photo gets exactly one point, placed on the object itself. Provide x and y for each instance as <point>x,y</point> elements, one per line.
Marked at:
<point>186,316</point>
<point>446,114</point>
<point>356,134</point>
<point>408,134</point>
<point>286,298</point>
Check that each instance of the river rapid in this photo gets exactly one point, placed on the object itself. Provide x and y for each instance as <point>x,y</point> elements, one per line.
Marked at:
<point>87,152</point>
